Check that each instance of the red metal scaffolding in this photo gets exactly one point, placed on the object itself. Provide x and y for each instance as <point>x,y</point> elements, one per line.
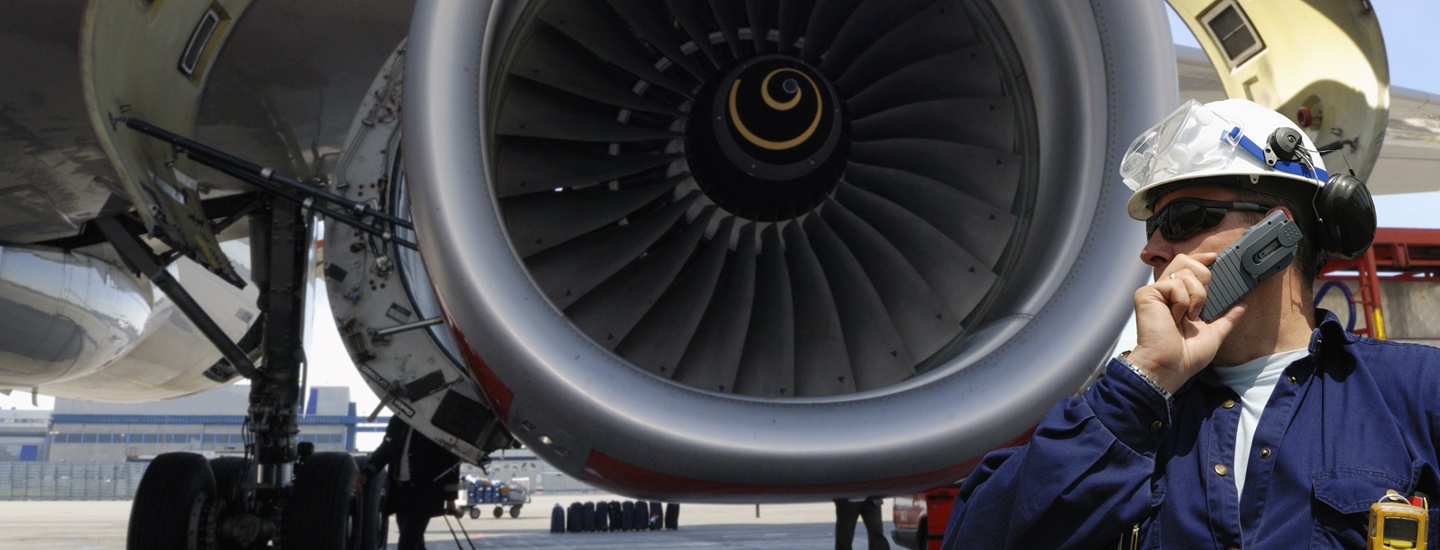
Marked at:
<point>1398,255</point>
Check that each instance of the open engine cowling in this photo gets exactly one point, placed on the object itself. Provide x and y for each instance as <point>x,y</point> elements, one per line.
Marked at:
<point>741,251</point>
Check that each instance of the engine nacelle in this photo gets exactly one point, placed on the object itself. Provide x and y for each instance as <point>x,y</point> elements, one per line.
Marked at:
<point>787,253</point>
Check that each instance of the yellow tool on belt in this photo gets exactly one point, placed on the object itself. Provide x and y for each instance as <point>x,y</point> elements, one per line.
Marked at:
<point>1397,522</point>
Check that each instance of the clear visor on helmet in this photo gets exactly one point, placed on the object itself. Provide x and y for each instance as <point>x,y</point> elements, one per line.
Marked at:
<point>1193,139</point>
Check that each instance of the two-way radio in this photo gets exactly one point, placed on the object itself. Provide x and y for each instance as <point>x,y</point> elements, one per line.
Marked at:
<point>1263,250</point>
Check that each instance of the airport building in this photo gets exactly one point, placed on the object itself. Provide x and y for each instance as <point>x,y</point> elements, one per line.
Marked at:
<point>209,423</point>
<point>23,435</point>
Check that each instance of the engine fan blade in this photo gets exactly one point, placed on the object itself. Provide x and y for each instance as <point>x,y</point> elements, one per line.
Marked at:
<point>658,341</point>
<point>761,15</point>
<point>870,22</point>
<point>531,109</point>
<point>768,364</point>
<point>529,165</point>
<point>961,279</point>
<point>728,16</point>
<point>555,60</point>
<point>619,302</point>
<point>794,15</point>
<point>538,221</point>
<point>649,22</point>
<point>971,72</point>
<point>712,359</point>
<point>693,18</point>
<point>569,271</point>
<point>820,350</point>
<point>935,30</point>
<point>990,175</point>
<point>878,357</point>
<point>919,315</point>
<point>976,226</point>
<point>602,31</point>
<point>826,19</point>
<point>987,122</point>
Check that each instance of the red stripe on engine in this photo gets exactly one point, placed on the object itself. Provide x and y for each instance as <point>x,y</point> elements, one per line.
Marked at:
<point>491,387</point>
<point>605,470</point>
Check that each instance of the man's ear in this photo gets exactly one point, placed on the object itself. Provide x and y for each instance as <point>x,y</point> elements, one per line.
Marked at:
<point>1288,213</point>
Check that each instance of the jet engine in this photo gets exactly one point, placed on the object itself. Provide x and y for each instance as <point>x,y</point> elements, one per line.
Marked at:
<point>742,251</point>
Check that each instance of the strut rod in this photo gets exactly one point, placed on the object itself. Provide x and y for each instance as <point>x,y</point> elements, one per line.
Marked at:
<point>278,184</point>
<point>140,259</point>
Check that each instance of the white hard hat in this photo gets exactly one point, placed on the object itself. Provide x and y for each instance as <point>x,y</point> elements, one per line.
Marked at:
<point>1221,138</point>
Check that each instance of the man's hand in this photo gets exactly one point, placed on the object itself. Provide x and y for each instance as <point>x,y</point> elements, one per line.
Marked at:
<point>1172,344</point>
<point>360,480</point>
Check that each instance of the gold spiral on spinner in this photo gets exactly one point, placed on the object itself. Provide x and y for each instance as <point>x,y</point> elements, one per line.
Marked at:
<point>778,106</point>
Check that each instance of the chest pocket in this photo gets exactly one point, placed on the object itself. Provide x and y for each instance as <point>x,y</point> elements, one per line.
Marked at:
<point>1342,509</point>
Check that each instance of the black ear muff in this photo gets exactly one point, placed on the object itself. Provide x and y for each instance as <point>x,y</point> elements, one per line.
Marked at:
<point>1347,217</point>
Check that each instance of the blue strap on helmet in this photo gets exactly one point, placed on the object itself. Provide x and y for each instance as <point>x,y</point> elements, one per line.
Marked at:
<point>1286,166</point>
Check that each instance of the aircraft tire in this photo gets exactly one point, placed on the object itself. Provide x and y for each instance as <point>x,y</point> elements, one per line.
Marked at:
<point>655,510</point>
<point>324,512</point>
<point>374,524</point>
<point>172,502</point>
<point>229,473</point>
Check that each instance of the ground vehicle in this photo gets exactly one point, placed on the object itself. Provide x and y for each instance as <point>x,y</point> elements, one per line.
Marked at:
<point>911,514</point>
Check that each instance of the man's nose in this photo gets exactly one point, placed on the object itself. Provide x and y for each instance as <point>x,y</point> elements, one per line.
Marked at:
<point>1157,252</point>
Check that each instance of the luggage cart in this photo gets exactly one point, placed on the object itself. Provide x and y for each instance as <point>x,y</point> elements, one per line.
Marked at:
<point>480,492</point>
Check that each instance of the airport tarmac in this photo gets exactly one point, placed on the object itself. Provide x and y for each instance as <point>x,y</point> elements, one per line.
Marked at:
<point>100,525</point>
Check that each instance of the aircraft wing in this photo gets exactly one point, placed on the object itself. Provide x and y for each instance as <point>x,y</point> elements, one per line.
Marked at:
<point>1410,159</point>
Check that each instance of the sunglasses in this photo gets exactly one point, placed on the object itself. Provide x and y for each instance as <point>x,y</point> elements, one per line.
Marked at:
<point>1182,217</point>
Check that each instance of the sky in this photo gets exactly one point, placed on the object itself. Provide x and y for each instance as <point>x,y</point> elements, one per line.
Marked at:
<point>1407,25</point>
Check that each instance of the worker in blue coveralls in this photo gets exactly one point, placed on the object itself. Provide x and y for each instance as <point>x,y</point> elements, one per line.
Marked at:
<point>1270,427</point>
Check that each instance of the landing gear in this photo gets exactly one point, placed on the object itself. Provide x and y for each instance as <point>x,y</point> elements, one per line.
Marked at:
<point>374,524</point>
<point>279,492</point>
<point>324,511</point>
<point>174,505</point>
<point>185,501</point>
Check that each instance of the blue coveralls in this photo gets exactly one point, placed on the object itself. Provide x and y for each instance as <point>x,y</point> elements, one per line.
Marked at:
<point>1353,419</point>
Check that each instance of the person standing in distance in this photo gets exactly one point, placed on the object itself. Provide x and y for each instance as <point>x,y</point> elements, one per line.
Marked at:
<point>1270,426</point>
<point>867,510</point>
<point>424,478</point>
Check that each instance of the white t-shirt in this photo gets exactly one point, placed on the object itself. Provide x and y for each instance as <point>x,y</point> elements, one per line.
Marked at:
<point>1253,382</point>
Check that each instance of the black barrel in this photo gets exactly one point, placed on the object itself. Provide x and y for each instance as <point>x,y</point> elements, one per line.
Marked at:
<point>602,516</point>
<point>573,521</point>
<point>557,519</point>
<point>587,517</point>
<point>672,516</point>
<point>627,515</point>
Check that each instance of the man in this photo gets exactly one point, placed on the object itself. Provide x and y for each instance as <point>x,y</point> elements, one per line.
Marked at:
<point>1270,427</point>
<point>867,510</point>
<point>423,475</point>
